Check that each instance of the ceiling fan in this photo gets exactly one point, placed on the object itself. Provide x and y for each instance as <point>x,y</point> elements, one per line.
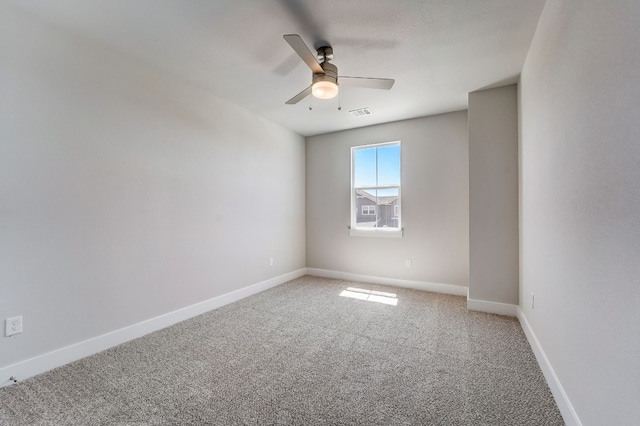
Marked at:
<point>325,78</point>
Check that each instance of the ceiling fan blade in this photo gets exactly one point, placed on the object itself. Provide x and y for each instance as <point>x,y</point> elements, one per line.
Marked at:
<point>303,51</point>
<point>300,96</point>
<point>369,83</point>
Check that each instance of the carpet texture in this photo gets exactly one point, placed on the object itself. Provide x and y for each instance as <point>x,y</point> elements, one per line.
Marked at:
<point>301,354</point>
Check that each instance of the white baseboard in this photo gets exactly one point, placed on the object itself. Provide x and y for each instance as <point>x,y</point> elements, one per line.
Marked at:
<point>562,400</point>
<point>45,362</point>
<point>456,290</point>
<point>492,307</point>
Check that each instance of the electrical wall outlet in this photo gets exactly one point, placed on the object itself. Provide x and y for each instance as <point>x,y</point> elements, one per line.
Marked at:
<point>533,300</point>
<point>271,261</point>
<point>13,326</point>
<point>407,263</point>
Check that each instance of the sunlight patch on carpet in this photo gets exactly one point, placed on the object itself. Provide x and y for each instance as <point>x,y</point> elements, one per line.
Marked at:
<point>370,295</point>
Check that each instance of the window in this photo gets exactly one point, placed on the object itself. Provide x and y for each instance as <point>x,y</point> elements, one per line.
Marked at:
<point>368,210</point>
<point>375,190</point>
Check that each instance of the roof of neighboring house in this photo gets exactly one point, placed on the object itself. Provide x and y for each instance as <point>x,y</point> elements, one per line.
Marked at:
<point>381,201</point>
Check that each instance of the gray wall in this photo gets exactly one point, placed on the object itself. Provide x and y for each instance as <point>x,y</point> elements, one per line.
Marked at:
<point>435,203</point>
<point>580,202</point>
<point>126,193</point>
<point>493,195</point>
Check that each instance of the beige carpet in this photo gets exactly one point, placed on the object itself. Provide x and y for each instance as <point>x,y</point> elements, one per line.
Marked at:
<point>308,352</point>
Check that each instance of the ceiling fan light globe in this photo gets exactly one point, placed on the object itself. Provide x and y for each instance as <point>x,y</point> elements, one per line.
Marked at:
<point>324,89</point>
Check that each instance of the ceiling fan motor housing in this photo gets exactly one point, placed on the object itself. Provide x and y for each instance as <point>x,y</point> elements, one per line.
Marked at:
<point>330,73</point>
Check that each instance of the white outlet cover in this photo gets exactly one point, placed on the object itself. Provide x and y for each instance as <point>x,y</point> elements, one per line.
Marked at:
<point>13,326</point>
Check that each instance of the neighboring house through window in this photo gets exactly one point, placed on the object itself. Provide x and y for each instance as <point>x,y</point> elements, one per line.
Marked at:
<point>368,210</point>
<point>375,188</point>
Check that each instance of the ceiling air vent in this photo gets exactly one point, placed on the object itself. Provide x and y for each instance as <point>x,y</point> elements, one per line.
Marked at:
<point>360,112</point>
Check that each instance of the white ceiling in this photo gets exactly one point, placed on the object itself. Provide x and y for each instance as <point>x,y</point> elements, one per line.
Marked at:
<point>436,50</point>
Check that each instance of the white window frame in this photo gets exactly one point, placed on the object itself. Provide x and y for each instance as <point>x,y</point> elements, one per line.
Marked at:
<point>354,230</point>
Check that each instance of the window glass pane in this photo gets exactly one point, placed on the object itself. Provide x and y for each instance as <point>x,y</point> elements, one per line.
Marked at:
<point>364,162</point>
<point>376,187</point>
<point>389,165</point>
<point>386,201</point>
<point>366,208</point>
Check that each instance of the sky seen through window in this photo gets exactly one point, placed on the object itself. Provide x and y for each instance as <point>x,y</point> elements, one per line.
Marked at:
<point>387,171</point>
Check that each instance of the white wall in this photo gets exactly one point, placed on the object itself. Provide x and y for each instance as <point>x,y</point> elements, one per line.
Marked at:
<point>126,193</point>
<point>493,195</point>
<point>580,203</point>
<point>435,203</point>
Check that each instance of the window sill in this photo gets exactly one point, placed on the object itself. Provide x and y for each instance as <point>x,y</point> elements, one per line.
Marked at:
<point>376,233</point>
